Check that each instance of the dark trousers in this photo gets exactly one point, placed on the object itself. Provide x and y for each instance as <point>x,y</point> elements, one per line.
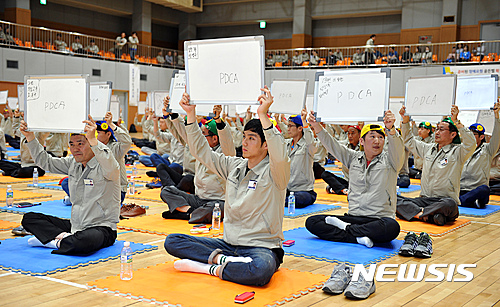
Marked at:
<point>46,228</point>
<point>318,170</point>
<point>335,182</point>
<point>407,208</point>
<point>171,177</point>
<point>378,230</point>
<point>495,187</point>
<point>14,169</point>
<point>14,142</point>
<point>143,142</point>
<point>481,194</point>
<point>415,173</point>
<point>302,198</point>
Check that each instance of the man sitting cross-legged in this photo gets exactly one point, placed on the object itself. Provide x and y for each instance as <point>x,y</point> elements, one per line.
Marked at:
<point>251,249</point>
<point>94,183</point>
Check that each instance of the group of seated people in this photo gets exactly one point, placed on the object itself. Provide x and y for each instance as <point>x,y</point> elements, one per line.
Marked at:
<point>170,59</point>
<point>249,167</point>
<point>461,53</point>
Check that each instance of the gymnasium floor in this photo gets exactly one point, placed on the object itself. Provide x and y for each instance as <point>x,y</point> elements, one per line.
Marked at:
<point>475,243</point>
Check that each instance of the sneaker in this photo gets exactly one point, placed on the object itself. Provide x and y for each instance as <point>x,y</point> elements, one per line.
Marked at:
<point>154,184</point>
<point>479,205</point>
<point>131,210</point>
<point>360,289</point>
<point>20,231</point>
<point>439,219</point>
<point>329,190</point>
<point>338,281</point>
<point>67,201</point>
<point>408,247</point>
<point>424,246</point>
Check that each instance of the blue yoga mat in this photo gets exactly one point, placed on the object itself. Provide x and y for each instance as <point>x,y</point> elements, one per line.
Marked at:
<point>490,209</point>
<point>13,153</point>
<point>54,207</point>
<point>309,246</point>
<point>19,257</point>
<point>314,208</point>
<point>47,185</point>
<point>411,188</point>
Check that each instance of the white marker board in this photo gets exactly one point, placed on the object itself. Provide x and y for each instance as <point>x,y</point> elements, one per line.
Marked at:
<point>487,119</point>
<point>352,95</point>
<point>309,103</point>
<point>114,108</point>
<point>3,97</point>
<point>158,97</point>
<point>177,89</point>
<point>20,96</point>
<point>289,96</point>
<point>479,92</point>
<point>56,103</point>
<point>100,99</point>
<point>433,119</point>
<point>395,104</point>
<point>141,108</point>
<point>430,95</point>
<point>230,110</point>
<point>225,71</point>
<point>13,102</point>
<point>149,101</point>
<point>468,118</point>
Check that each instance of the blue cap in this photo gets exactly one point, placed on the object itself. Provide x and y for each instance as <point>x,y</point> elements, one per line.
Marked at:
<point>477,127</point>
<point>296,119</point>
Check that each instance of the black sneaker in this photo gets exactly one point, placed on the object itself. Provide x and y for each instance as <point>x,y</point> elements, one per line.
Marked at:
<point>439,219</point>
<point>424,246</point>
<point>408,247</point>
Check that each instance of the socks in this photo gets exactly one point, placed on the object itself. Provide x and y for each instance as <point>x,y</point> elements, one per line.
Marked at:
<point>187,265</point>
<point>221,259</point>
<point>334,221</point>
<point>35,242</point>
<point>365,241</point>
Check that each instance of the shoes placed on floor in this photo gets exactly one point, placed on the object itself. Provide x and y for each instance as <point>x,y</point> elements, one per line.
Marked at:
<point>329,190</point>
<point>131,210</point>
<point>20,231</point>
<point>360,289</point>
<point>152,174</point>
<point>338,281</point>
<point>408,247</point>
<point>154,184</point>
<point>424,246</point>
<point>176,215</point>
<point>67,201</point>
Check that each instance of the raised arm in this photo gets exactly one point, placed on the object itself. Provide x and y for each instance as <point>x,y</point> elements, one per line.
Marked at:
<point>395,145</point>
<point>416,147</point>
<point>122,136</point>
<point>312,144</point>
<point>224,132</point>
<point>495,134</point>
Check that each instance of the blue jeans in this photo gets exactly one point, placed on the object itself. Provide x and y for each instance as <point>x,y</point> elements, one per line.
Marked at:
<point>154,160</point>
<point>258,272</point>
<point>64,185</point>
<point>302,198</point>
<point>481,194</point>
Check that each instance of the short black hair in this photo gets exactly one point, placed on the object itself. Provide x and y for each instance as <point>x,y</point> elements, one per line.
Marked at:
<point>255,125</point>
<point>372,36</point>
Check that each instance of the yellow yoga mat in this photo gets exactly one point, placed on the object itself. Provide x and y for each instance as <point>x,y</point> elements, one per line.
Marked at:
<point>22,195</point>
<point>165,285</point>
<point>432,229</point>
<point>6,225</point>
<point>151,195</point>
<point>8,179</point>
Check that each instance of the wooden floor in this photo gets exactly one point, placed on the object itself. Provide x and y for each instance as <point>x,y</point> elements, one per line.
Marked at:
<point>477,243</point>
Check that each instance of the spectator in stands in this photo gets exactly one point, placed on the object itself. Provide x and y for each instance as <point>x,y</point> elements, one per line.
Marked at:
<point>297,59</point>
<point>392,56</point>
<point>460,49</point>
<point>92,49</point>
<point>452,56</point>
<point>180,60</point>
<point>77,46</point>
<point>133,41</point>
<point>479,51</point>
<point>284,58</point>
<point>160,58</point>
<point>357,58</point>
<point>60,44</point>
<point>120,42</point>
<point>465,54</point>
<point>270,59</point>
<point>406,56</point>
<point>175,58</point>
<point>169,58</point>
<point>8,37</point>
<point>2,36</point>
<point>417,56</point>
<point>370,43</point>
<point>331,59</point>
<point>427,55</point>
<point>314,58</point>
<point>338,55</point>
<point>305,57</point>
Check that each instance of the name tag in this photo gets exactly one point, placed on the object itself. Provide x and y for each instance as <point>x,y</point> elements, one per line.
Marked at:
<point>444,162</point>
<point>89,182</point>
<point>252,184</point>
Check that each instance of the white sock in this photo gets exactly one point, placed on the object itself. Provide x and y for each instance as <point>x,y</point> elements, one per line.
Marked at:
<point>35,242</point>
<point>221,259</point>
<point>365,241</point>
<point>187,265</point>
<point>335,221</point>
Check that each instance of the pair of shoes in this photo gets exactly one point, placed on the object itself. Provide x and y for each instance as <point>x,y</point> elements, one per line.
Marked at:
<point>176,215</point>
<point>155,183</point>
<point>420,246</point>
<point>20,231</point>
<point>329,190</point>
<point>341,281</point>
<point>131,210</point>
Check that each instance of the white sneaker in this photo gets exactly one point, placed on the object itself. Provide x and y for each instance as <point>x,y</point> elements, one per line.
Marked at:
<point>67,201</point>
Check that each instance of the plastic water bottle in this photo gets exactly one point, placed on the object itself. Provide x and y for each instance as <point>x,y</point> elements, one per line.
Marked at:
<point>131,189</point>
<point>216,217</point>
<point>126,262</point>
<point>291,204</point>
<point>9,198</point>
<point>35,177</point>
<point>134,170</point>
<point>398,190</point>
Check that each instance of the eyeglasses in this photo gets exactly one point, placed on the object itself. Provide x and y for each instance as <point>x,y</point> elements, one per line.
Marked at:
<point>442,129</point>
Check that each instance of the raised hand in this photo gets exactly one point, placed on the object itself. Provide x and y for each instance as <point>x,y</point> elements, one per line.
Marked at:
<point>90,130</point>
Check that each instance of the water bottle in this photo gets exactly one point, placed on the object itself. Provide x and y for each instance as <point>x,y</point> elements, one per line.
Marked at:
<point>398,190</point>
<point>126,262</point>
<point>134,170</point>
<point>35,177</point>
<point>9,198</point>
<point>216,217</point>
<point>131,190</point>
<point>291,204</point>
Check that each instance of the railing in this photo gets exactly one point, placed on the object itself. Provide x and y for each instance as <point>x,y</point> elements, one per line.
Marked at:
<point>62,42</point>
<point>480,52</point>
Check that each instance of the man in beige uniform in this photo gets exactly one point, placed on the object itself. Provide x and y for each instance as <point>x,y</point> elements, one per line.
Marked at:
<point>255,197</point>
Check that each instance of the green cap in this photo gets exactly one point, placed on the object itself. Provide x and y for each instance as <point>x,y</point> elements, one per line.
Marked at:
<point>212,126</point>
<point>454,128</point>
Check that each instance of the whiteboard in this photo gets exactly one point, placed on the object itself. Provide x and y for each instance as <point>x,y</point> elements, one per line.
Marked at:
<point>20,96</point>
<point>468,118</point>
<point>395,104</point>
<point>177,89</point>
<point>230,110</point>
<point>433,119</point>
<point>478,92</point>
<point>141,107</point>
<point>56,103</point>
<point>289,96</point>
<point>114,108</point>
<point>430,95</point>
<point>3,97</point>
<point>487,119</point>
<point>352,95</point>
<point>13,102</point>
<point>309,103</point>
<point>100,98</point>
<point>157,105</point>
<point>225,71</point>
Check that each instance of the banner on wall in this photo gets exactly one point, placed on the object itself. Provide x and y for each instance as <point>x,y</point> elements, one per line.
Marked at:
<point>471,69</point>
<point>134,84</point>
